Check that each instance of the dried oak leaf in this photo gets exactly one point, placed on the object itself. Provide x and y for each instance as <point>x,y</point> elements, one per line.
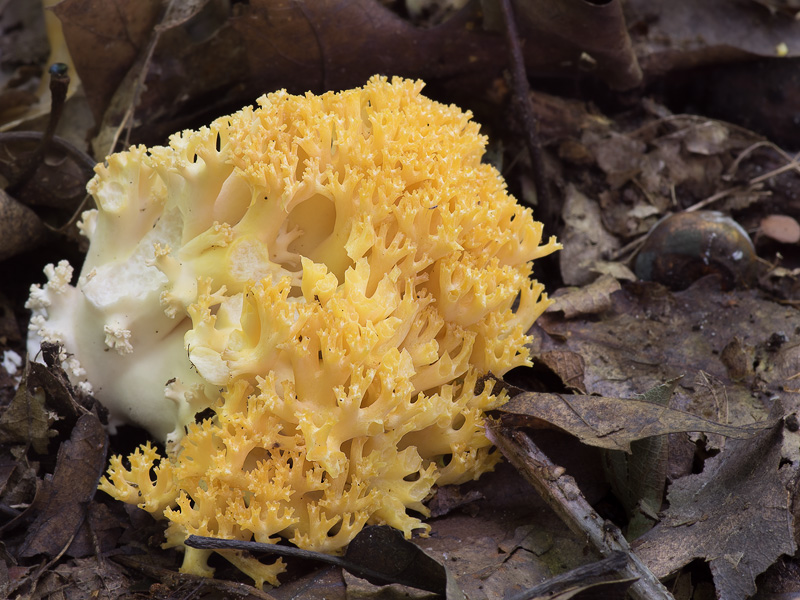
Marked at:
<point>736,515</point>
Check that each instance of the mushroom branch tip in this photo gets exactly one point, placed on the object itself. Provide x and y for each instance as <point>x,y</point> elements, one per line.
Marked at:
<point>298,301</point>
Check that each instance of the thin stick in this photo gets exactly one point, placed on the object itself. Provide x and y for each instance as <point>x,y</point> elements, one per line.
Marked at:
<point>59,82</point>
<point>563,495</point>
<point>522,92</point>
<point>597,572</point>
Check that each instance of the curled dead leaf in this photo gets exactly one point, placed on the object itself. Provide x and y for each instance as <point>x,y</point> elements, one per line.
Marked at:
<point>60,176</point>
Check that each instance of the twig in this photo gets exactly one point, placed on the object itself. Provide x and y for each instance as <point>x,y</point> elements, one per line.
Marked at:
<point>126,124</point>
<point>359,570</point>
<point>85,162</point>
<point>563,495</point>
<point>127,120</point>
<point>792,164</point>
<point>724,194</point>
<point>33,578</point>
<point>791,160</point>
<point>522,92</point>
<point>742,155</point>
<point>59,82</point>
<point>595,572</point>
<point>633,246</point>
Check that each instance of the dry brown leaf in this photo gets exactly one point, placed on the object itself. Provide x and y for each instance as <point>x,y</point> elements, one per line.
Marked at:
<point>227,55</point>
<point>58,186</point>
<point>562,26</point>
<point>285,39</point>
<point>620,158</point>
<point>585,238</point>
<point>26,420</point>
<point>104,39</point>
<point>63,507</point>
<point>592,299</point>
<point>568,366</point>
<point>673,35</point>
<point>651,335</point>
<point>738,359</point>
<point>617,270</point>
<point>736,515</point>
<point>96,578</point>
<point>505,542</point>
<point>613,423</point>
<point>711,137</point>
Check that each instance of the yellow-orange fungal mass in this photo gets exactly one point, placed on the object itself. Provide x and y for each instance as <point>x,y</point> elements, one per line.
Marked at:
<point>338,272</point>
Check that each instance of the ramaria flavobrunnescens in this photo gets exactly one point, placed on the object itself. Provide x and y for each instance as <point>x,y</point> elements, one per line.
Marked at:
<point>330,275</point>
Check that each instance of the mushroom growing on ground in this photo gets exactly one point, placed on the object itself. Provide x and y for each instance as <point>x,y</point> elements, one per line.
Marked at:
<point>329,275</point>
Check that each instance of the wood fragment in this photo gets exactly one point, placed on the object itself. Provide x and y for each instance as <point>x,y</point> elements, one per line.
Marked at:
<point>522,97</point>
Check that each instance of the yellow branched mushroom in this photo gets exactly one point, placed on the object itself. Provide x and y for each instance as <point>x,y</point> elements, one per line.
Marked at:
<point>330,275</point>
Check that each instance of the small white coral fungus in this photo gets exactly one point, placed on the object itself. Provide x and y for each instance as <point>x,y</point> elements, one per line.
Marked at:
<point>339,270</point>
